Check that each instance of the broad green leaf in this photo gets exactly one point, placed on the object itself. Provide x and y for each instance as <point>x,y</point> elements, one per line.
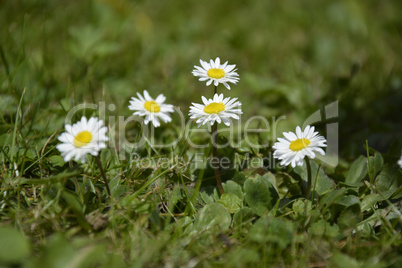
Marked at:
<point>253,172</point>
<point>274,230</point>
<point>260,195</point>
<point>332,197</point>
<point>57,160</point>
<point>207,194</point>
<point>239,178</point>
<point>323,228</point>
<point>231,202</point>
<point>233,188</point>
<point>377,219</point>
<point>271,179</point>
<point>58,252</point>
<point>389,181</point>
<point>370,200</point>
<point>349,208</point>
<point>302,207</point>
<point>350,185</point>
<point>244,215</point>
<point>376,163</point>
<point>331,230</point>
<point>183,223</point>
<point>348,201</point>
<point>14,248</point>
<point>87,253</point>
<point>366,228</point>
<point>213,215</point>
<point>342,260</point>
<point>357,171</point>
<point>183,226</point>
<point>317,228</point>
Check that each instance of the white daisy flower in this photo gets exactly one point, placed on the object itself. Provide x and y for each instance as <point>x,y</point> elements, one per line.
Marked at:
<point>400,162</point>
<point>217,109</point>
<point>294,147</point>
<point>217,73</point>
<point>151,109</point>
<point>82,138</point>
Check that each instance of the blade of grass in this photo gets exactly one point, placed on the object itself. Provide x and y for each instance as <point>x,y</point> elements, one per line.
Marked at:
<point>51,179</point>
<point>149,182</point>
<point>12,152</point>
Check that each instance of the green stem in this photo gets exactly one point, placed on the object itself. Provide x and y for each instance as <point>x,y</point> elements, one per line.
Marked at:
<point>315,183</point>
<point>18,114</point>
<point>214,129</point>
<point>308,177</point>
<point>190,208</point>
<point>98,162</point>
<point>368,163</point>
<point>214,133</point>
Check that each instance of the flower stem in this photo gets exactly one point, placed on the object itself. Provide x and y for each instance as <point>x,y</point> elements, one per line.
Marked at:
<point>214,133</point>
<point>98,162</point>
<point>308,177</point>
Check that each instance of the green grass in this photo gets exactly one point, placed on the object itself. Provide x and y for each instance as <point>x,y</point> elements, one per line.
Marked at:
<point>294,58</point>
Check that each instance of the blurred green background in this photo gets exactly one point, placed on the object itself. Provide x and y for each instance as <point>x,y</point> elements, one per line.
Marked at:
<point>293,57</point>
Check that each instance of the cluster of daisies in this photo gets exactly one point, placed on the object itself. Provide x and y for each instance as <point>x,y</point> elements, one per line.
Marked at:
<point>218,109</point>
<point>89,136</point>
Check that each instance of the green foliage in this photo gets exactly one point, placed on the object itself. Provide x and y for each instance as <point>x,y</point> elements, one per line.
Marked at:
<point>272,230</point>
<point>357,171</point>
<point>388,181</point>
<point>321,182</point>
<point>231,202</point>
<point>322,228</point>
<point>244,216</point>
<point>213,215</point>
<point>14,247</point>
<point>260,195</point>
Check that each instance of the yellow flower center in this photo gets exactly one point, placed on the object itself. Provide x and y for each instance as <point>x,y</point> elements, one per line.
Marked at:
<point>214,108</point>
<point>299,144</point>
<point>216,73</point>
<point>82,138</point>
<point>152,106</point>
